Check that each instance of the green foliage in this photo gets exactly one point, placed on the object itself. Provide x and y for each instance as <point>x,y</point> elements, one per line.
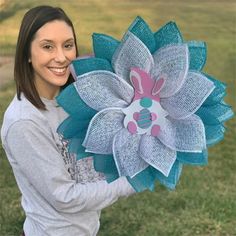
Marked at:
<point>204,201</point>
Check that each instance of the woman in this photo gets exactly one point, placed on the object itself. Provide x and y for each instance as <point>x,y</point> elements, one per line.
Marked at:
<point>60,196</point>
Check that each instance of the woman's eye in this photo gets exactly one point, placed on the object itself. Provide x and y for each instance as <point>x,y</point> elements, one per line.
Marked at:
<point>69,45</point>
<point>47,47</point>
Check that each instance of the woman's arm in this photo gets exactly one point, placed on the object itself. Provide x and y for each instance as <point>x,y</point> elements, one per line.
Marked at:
<point>39,158</point>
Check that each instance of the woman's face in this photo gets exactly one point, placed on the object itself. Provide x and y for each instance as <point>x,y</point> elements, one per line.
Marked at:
<point>52,50</point>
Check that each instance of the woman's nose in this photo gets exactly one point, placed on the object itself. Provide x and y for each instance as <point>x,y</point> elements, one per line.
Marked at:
<point>60,56</point>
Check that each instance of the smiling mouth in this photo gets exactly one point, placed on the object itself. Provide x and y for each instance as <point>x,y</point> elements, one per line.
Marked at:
<point>58,70</point>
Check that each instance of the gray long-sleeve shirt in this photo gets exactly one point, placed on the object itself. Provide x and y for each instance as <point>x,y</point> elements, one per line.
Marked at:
<point>56,203</point>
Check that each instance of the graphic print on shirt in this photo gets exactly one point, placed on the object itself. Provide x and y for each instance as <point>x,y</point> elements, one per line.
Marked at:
<point>82,170</point>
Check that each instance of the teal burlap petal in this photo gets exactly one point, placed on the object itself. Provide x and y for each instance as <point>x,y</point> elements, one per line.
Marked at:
<point>104,46</point>
<point>198,55</point>
<point>73,127</point>
<point>191,158</point>
<point>106,165</point>
<point>168,34</point>
<point>143,180</point>
<point>214,134</point>
<point>71,102</point>
<point>215,114</point>
<point>85,65</point>
<point>141,29</point>
<point>140,182</point>
<point>173,178</point>
<point>218,93</point>
<point>75,147</point>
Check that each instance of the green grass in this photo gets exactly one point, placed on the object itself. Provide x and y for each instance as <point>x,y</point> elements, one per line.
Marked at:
<point>204,202</point>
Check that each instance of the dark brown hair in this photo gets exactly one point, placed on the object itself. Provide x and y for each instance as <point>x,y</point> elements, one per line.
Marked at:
<point>34,19</point>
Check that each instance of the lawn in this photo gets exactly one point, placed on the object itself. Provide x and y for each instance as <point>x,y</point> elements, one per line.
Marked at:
<point>204,202</point>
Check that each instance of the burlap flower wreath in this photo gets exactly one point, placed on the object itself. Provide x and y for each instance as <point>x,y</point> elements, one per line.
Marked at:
<point>142,107</point>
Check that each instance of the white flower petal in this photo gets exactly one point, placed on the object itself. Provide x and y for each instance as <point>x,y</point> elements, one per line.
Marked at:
<point>171,63</point>
<point>103,89</point>
<point>157,154</point>
<point>102,129</point>
<point>126,153</point>
<point>190,97</point>
<point>185,135</point>
<point>132,52</point>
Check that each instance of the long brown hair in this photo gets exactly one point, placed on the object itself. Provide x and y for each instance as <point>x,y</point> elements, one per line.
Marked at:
<point>34,19</point>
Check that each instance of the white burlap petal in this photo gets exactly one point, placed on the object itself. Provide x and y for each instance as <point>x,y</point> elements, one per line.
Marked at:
<point>171,63</point>
<point>132,52</point>
<point>103,89</point>
<point>102,129</point>
<point>126,153</point>
<point>185,135</point>
<point>157,154</point>
<point>190,97</point>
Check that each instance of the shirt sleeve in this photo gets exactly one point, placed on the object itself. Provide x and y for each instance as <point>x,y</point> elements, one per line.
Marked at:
<point>38,156</point>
